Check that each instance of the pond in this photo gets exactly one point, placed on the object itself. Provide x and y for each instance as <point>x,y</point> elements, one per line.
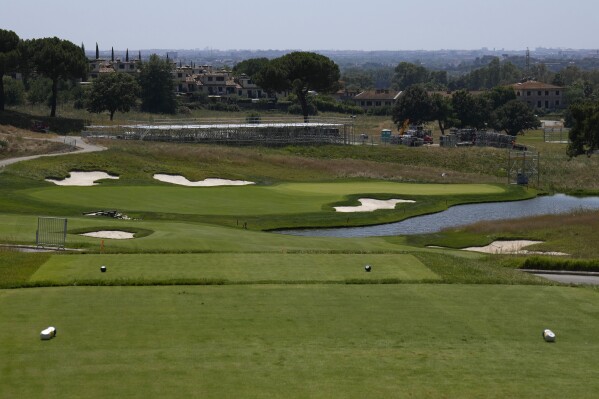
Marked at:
<point>461,215</point>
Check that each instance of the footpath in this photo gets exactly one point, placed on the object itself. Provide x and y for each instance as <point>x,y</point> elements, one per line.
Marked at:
<point>77,142</point>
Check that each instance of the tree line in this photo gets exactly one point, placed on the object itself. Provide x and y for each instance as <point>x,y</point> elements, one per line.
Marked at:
<point>52,67</point>
<point>497,108</point>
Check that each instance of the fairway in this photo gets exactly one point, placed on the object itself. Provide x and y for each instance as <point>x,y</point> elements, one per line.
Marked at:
<point>287,198</point>
<point>298,341</point>
<point>234,267</point>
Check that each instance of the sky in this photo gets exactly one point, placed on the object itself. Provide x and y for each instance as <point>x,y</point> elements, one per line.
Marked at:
<point>308,24</point>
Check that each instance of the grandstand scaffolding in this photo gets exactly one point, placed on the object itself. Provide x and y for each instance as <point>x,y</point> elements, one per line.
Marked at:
<point>260,131</point>
<point>523,167</point>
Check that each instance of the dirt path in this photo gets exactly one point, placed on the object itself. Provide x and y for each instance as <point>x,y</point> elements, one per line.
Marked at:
<point>80,144</point>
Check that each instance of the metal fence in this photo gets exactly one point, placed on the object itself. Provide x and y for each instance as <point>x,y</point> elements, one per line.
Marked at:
<point>51,232</point>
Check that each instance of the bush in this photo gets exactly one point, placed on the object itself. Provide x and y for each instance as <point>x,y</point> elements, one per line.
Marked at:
<point>383,111</point>
<point>14,91</point>
<point>296,109</point>
<point>253,117</point>
<point>327,104</point>
<point>539,263</point>
<point>223,107</point>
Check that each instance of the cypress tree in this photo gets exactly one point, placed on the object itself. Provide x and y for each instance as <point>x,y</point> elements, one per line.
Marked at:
<point>127,56</point>
<point>112,56</point>
<point>139,55</point>
<point>97,51</point>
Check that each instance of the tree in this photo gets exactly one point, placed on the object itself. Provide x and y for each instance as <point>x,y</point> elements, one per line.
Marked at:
<point>9,56</point>
<point>500,95</point>
<point>300,72</point>
<point>584,135</point>
<point>470,111</point>
<point>251,66</point>
<point>57,59</point>
<point>514,117</point>
<point>40,90</point>
<point>97,51</point>
<point>408,74</point>
<point>413,105</point>
<point>442,111</point>
<point>127,56</point>
<point>357,79</point>
<point>113,92</point>
<point>156,83</point>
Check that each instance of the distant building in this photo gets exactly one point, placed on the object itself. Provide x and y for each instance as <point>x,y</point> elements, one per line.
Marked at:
<point>379,98</point>
<point>102,66</point>
<point>540,95</point>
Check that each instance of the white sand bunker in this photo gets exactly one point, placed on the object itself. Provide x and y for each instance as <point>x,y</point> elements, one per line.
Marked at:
<point>112,234</point>
<point>511,247</point>
<point>369,205</point>
<point>182,181</point>
<point>82,179</point>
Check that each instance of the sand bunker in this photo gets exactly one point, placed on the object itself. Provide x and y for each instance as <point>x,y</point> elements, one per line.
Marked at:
<point>112,234</point>
<point>82,179</point>
<point>511,247</point>
<point>182,181</point>
<point>369,205</point>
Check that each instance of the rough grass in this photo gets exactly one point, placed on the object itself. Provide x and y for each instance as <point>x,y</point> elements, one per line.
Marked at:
<point>15,142</point>
<point>573,233</point>
<point>546,263</point>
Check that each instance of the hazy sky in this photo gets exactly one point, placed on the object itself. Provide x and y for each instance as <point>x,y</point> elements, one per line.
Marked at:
<point>308,24</point>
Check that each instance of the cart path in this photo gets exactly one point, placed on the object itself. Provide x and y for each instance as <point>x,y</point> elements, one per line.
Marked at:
<point>80,144</point>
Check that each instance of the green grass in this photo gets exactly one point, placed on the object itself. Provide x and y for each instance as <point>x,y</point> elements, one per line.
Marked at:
<point>234,268</point>
<point>245,200</point>
<point>257,315</point>
<point>176,237</point>
<point>18,267</point>
<point>318,341</point>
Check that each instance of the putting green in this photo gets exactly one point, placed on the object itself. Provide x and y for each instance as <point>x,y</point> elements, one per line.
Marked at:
<point>289,198</point>
<point>234,267</point>
<point>347,188</point>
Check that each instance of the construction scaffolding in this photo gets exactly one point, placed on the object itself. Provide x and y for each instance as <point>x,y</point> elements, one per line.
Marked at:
<point>260,131</point>
<point>51,232</point>
<point>558,135</point>
<point>523,167</point>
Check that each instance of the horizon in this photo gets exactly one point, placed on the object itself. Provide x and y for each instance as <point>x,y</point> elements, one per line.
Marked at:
<point>381,25</point>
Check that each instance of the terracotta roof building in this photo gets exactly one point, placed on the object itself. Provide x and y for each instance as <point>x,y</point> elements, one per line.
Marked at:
<point>376,98</point>
<point>540,95</point>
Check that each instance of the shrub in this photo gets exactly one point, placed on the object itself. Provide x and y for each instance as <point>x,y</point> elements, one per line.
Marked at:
<point>14,91</point>
<point>540,263</point>
<point>253,117</point>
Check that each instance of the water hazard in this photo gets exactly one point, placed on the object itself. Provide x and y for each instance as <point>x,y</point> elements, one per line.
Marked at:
<point>461,215</point>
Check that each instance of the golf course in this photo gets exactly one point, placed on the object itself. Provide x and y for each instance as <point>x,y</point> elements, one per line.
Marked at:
<point>207,300</point>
